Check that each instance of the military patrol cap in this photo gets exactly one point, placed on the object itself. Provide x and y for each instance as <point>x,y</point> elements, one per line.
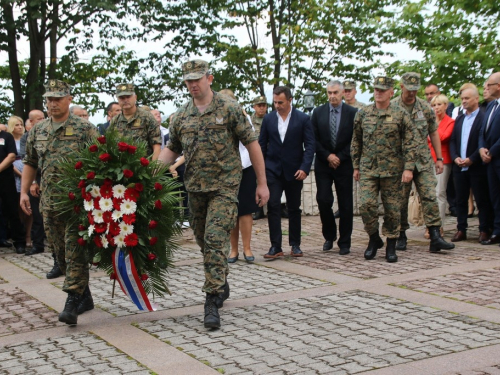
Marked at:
<point>383,83</point>
<point>125,89</point>
<point>259,100</point>
<point>411,81</point>
<point>56,88</point>
<point>194,69</point>
<point>349,85</point>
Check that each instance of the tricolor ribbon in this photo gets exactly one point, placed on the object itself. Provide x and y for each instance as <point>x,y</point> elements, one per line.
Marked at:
<point>129,280</point>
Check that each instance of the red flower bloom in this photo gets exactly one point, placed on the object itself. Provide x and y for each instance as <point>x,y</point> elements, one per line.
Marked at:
<point>90,175</point>
<point>111,239</point>
<point>144,277</point>
<point>81,184</point>
<point>131,149</point>
<point>128,173</point>
<point>131,240</point>
<point>98,241</point>
<point>101,139</point>
<point>81,227</point>
<point>82,242</point>
<point>114,229</point>
<point>101,227</point>
<point>112,276</point>
<point>158,204</point>
<point>116,203</point>
<point>71,196</point>
<point>93,148</point>
<point>151,256</point>
<point>158,186</point>
<point>153,224</point>
<point>107,217</point>
<point>77,209</point>
<point>129,219</point>
<point>105,157</point>
<point>144,162</point>
<point>153,241</point>
<point>83,192</point>
<point>78,165</point>
<point>106,191</point>
<point>131,194</point>
<point>108,181</point>
<point>88,197</point>
<point>90,217</point>
<point>122,147</point>
<point>139,187</point>
<point>96,203</point>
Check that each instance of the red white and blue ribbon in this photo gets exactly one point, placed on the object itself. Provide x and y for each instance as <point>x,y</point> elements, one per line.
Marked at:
<point>129,280</point>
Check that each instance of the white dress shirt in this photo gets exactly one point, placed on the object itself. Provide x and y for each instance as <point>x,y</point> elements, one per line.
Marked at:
<point>283,124</point>
<point>466,128</point>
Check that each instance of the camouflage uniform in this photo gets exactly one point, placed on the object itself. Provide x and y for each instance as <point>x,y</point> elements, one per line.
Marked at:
<point>142,126</point>
<point>351,85</point>
<point>382,147</point>
<point>423,124</point>
<point>257,121</point>
<point>209,141</point>
<point>47,142</point>
<point>358,104</point>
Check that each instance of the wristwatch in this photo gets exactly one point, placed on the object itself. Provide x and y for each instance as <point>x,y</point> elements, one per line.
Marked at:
<point>439,159</point>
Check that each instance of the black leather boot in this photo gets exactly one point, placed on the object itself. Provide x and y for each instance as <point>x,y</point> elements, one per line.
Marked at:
<point>70,313</point>
<point>212,318</point>
<point>402,241</point>
<point>437,242</point>
<point>374,244</point>
<point>390,251</point>
<point>221,297</point>
<point>55,271</point>
<point>86,302</point>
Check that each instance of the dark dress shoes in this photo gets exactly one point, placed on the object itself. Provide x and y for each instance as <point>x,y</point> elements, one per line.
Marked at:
<point>296,252</point>
<point>274,252</point>
<point>328,245</point>
<point>4,243</point>
<point>34,250</point>
<point>20,249</point>
<point>459,236</point>
<point>493,240</point>
<point>232,259</point>
<point>344,251</point>
<point>483,236</point>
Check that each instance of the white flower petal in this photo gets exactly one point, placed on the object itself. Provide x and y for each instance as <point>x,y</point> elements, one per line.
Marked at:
<point>116,215</point>
<point>106,204</point>
<point>128,207</point>
<point>91,230</point>
<point>95,192</point>
<point>120,240</point>
<point>104,241</point>
<point>119,191</point>
<point>126,228</point>
<point>98,216</point>
<point>88,205</point>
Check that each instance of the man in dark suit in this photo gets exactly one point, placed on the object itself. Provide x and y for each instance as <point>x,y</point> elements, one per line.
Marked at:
<point>287,142</point>
<point>489,149</point>
<point>333,126</point>
<point>468,168</point>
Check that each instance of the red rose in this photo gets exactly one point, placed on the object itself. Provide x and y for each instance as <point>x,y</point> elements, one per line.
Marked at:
<point>83,192</point>
<point>128,173</point>
<point>117,203</point>
<point>81,184</point>
<point>153,224</point>
<point>114,229</point>
<point>158,204</point>
<point>139,187</point>
<point>129,219</point>
<point>106,191</point>
<point>144,162</point>
<point>108,181</point>
<point>71,196</point>
<point>82,242</point>
<point>158,186</point>
<point>81,227</point>
<point>78,165</point>
<point>98,241</point>
<point>96,203</point>
<point>112,276</point>
<point>107,217</point>
<point>122,147</point>
<point>131,194</point>
<point>153,241</point>
<point>101,139</point>
<point>131,240</point>
<point>144,277</point>
<point>90,175</point>
<point>105,157</point>
<point>77,209</point>
<point>131,149</point>
<point>93,148</point>
<point>151,256</point>
<point>88,197</point>
<point>90,217</point>
<point>101,227</point>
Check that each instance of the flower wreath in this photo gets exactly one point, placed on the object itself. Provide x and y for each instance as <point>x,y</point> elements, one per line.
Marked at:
<point>116,199</point>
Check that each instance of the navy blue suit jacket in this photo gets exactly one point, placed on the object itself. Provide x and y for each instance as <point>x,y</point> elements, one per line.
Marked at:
<point>491,139</point>
<point>296,152</point>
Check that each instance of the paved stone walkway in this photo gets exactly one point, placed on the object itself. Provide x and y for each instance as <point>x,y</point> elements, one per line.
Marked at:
<point>320,314</point>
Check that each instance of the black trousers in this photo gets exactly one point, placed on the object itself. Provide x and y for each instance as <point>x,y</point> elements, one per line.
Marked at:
<point>292,191</point>
<point>10,210</point>
<point>37,229</point>
<point>325,178</point>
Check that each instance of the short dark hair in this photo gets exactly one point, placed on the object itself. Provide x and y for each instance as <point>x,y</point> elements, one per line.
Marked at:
<point>110,105</point>
<point>283,90</point>
<point>432,84</point>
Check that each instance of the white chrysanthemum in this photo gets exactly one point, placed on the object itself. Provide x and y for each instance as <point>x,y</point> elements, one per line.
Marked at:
<point>88,205</point>
<point>95,192</point>
<point>120,240</point>
<point>106,204</point>
<point>116,215</point>
<point>91,230</point>
<point>119,191</point>
<point>98,216</point>
<point>104,241</point>
<point>128,207</point>
<point>126,228</point>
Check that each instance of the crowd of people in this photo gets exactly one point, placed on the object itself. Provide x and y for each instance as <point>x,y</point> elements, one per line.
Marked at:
<point>233,165</point>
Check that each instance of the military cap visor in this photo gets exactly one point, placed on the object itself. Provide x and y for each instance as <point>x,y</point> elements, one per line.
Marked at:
<point>194,69</point>
<point>349,85</point>
<point>55,88</point>
<point>259,100</point>
<point>411,81</point>
<point>125,89</point>
<point>383,83</point>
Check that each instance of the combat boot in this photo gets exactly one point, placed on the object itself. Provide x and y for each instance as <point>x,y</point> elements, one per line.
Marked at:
<point>55,271</point>
<point>374,244</point>
<point>86,302</point>
<point>70,313</point>
<point>402,241</point>
<point>212,318</point>
<point>437,242</point>
<point>221,297</point>
<point>390,251</point>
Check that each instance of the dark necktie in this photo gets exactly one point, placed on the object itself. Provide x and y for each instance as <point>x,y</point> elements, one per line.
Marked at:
<point>333,127</point>
<point>492,113</point>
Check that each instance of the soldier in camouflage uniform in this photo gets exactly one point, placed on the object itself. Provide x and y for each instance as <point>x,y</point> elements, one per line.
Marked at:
<point>423,125</point>
<point>48,141</point>
<point>136,122</point>
<point>260,108</point>
<point>382,152</point>
<point>350,94</point>
<point>207,129</point>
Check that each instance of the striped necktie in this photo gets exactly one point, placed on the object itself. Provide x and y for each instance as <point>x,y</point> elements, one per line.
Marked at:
<point>333,128</point>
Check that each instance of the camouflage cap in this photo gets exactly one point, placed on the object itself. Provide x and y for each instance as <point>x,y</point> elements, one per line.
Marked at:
<point>349,85</point>
<point>259,100</point>
<point>383,83</point>
<point>194,69</point>
<point>56,88</point>
<point>411,81</point>
<point>125,89</point>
